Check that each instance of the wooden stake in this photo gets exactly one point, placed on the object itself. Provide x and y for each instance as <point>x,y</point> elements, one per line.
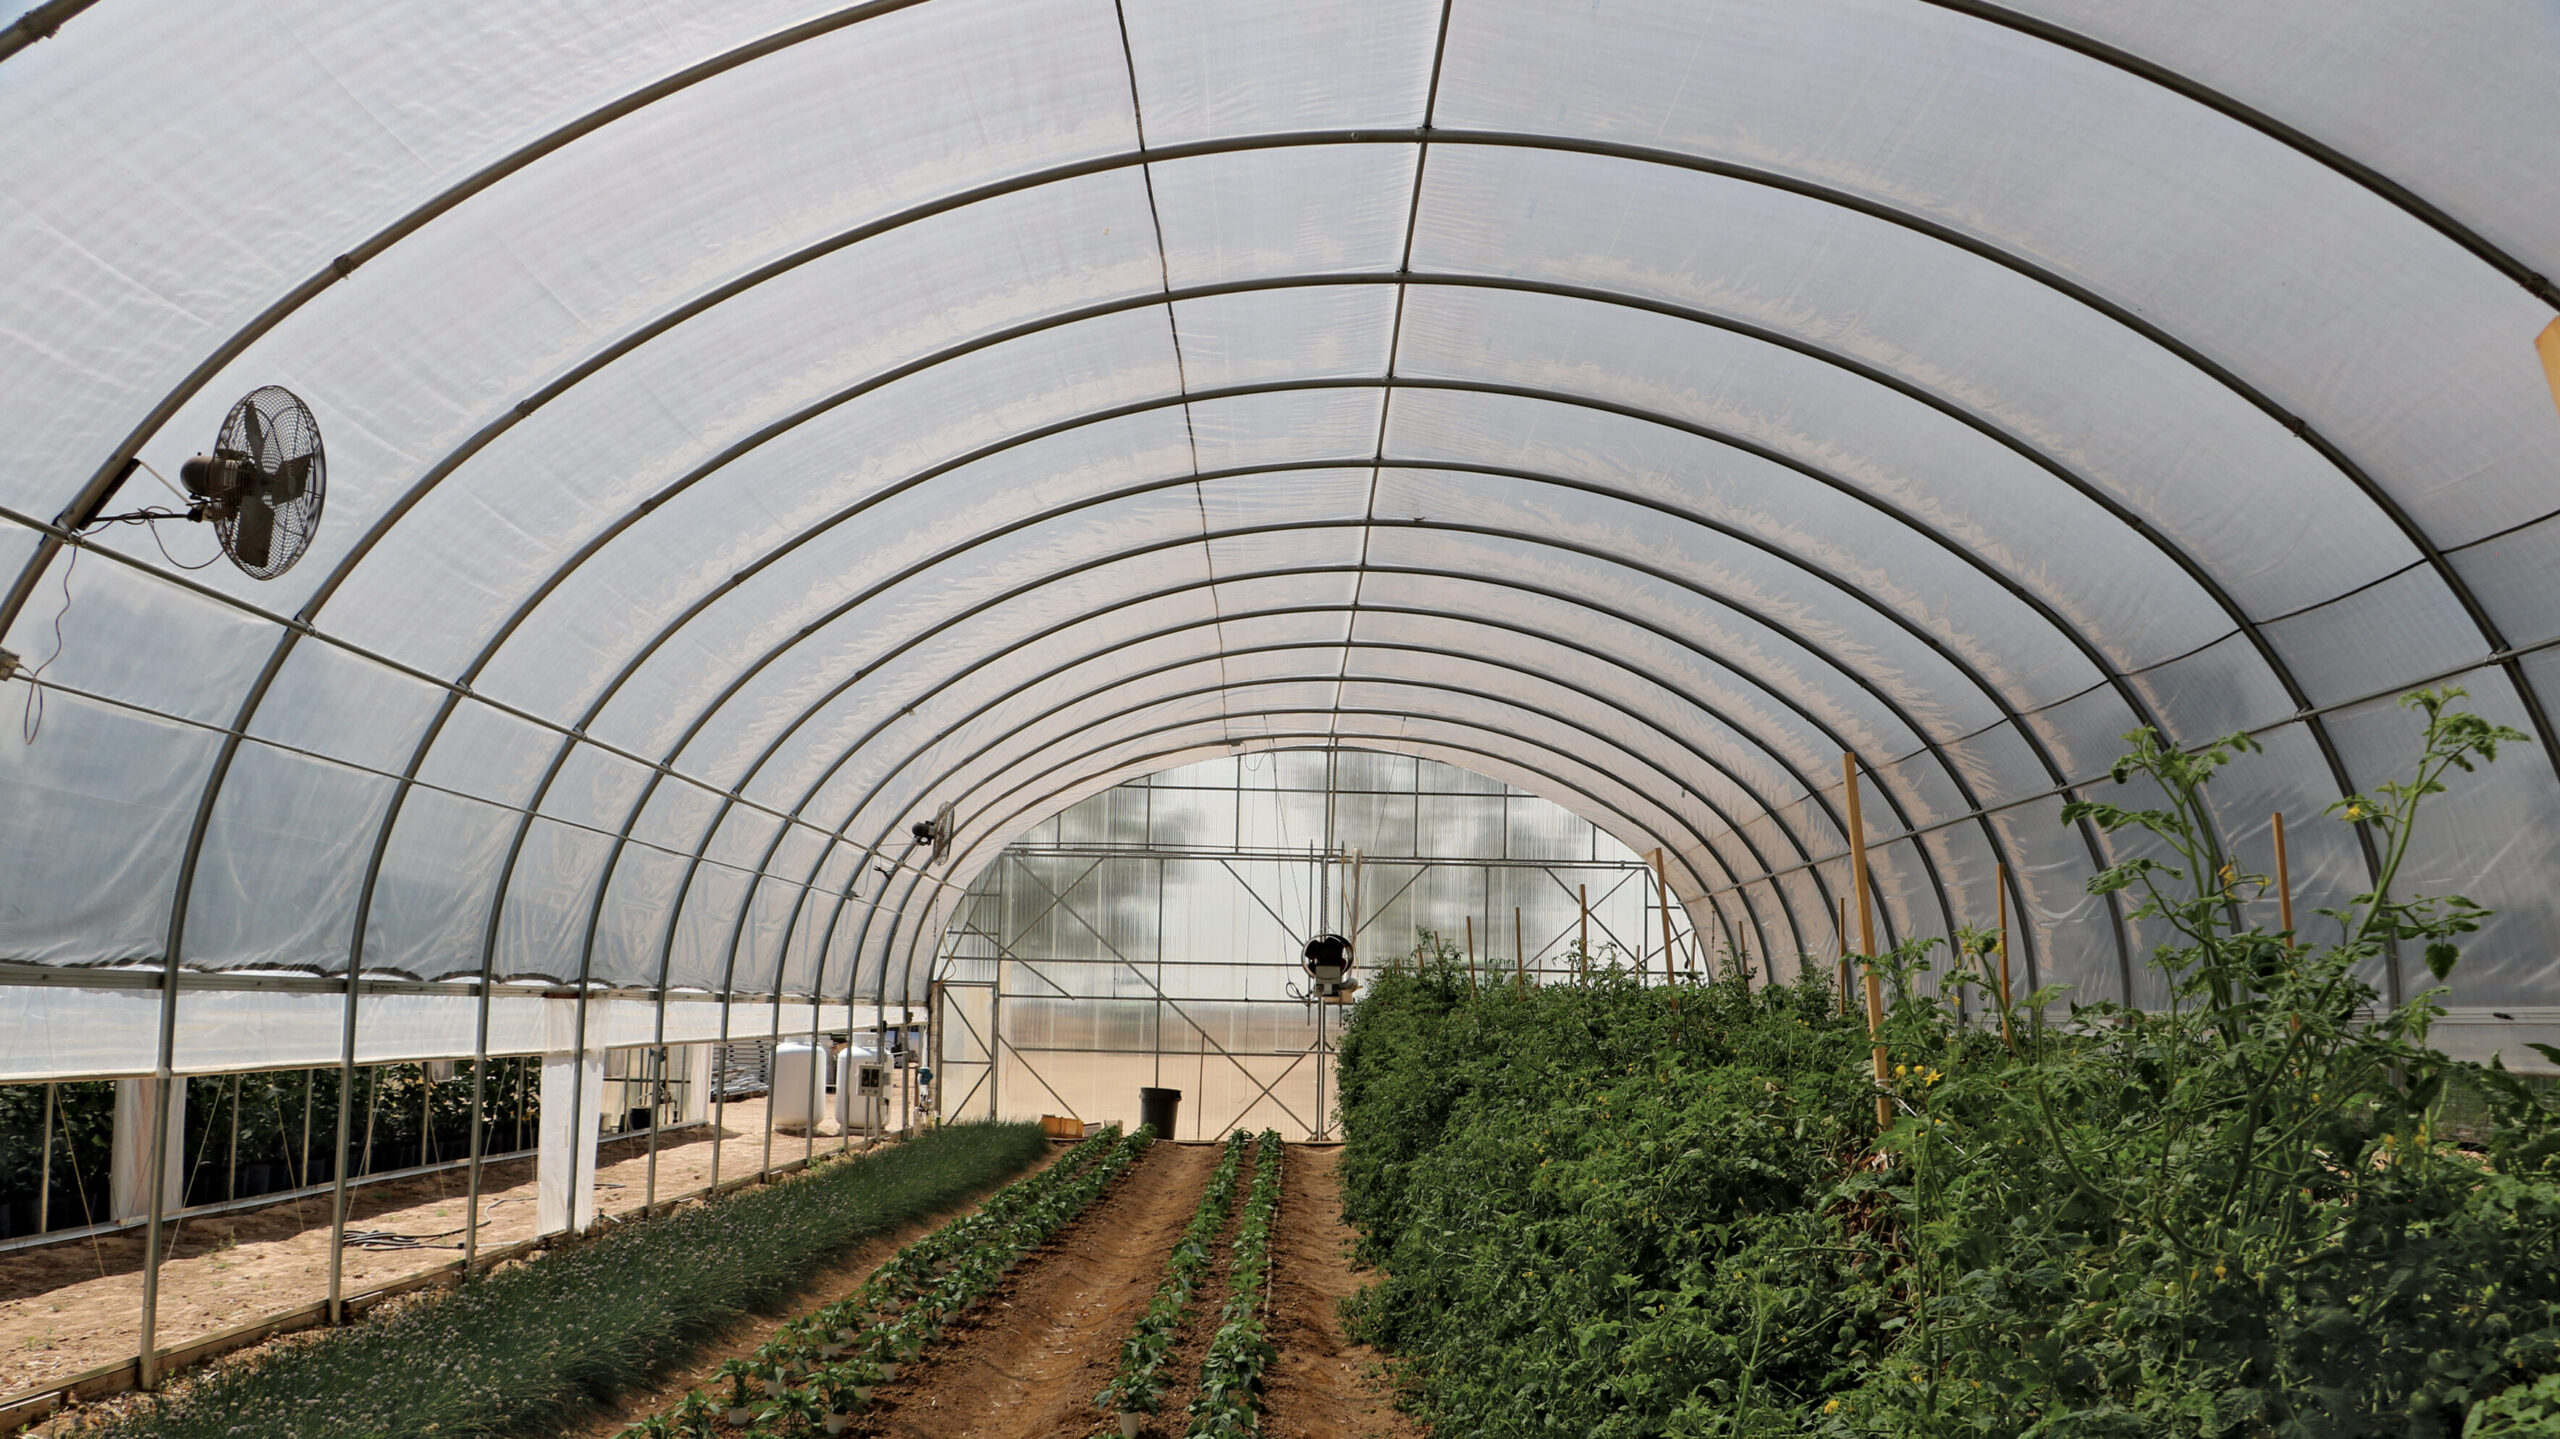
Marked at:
<point>1844,956</point>
<point>1471,953</point>
<point>2284,880</point>
<point>2000,882</point>
<point>1582,968</point>
<point>1662,891</point>
<point>1519,950</point>
<point>1867,936</point>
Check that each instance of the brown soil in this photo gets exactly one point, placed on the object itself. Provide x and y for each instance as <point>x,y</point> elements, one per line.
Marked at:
<point>1027,1363</point>
<point>843,1279</point>
<point>1323,1386</point>
<point>74,1306</point>
<point>1200,1321</point>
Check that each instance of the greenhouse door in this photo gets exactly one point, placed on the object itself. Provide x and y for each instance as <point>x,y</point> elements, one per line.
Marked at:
<point>964,1031</point>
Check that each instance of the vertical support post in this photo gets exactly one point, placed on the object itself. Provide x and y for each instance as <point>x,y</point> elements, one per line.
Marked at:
<point>1662,892</point>
<point>231,1166</point>
<point>1866,936</point>
<point>1582,963</point>
<point>44,1168</point>
<point>1471,953</point>
<point>162,1077</point>
<point>2000,885</point>
<point>1519,950</point>
<point>1844,955</point>
<point>773,1070</point>
<point>339,1166</point>
<point>302,1175</point>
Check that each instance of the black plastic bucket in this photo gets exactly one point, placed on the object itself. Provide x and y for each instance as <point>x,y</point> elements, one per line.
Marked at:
<point>1158,1107</point>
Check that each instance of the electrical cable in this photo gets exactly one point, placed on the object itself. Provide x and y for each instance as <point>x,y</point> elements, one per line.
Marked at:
<point>32,722</point>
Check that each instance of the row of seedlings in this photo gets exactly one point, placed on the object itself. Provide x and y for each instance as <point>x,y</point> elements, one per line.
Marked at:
<point>817,1372</point>
<point>1231,1375</point>
<point>1138,1389</point>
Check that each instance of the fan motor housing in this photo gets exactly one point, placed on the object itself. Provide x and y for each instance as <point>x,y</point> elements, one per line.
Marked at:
<point>215,479</point>
<point>1328,961</point>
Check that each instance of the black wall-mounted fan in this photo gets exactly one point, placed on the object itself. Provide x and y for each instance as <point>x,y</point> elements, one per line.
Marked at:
<point>261,488</point>
<point>936,832</point>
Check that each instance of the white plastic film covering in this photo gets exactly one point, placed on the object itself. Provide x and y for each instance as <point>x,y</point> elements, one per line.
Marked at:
<point>752,429</point>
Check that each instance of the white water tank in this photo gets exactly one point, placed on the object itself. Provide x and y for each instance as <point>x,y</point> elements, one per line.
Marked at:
<point>860,1088</point>
<point>799,1092</point>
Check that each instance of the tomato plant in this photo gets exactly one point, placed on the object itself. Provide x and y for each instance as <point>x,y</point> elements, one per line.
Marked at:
<point>1609,1209</point>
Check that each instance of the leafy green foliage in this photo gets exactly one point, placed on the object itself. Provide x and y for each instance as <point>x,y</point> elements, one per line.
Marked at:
<point>801,1381</point>
<point>525,1349</point>
<point>1231,1372</point>
<point>1618,1210</point>
<point>1140,1382</point>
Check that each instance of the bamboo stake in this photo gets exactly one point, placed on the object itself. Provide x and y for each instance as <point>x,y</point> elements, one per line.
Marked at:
<point>2000,884</point>
<point>1844,956</point>
<point>1867,936</point>
<point>2284,882</point>
<point>1519,950</point>
<point>2284,895</point>
<point>1582,964</point>
<point>1662,892</point>
<point>1471,954</point>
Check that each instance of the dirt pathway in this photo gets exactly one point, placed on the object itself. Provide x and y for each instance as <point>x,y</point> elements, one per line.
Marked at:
<point>1323,1386</point>
<point>1027,1363</point>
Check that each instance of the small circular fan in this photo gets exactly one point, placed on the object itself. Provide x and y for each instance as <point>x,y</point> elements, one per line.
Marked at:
<point>264,482</point>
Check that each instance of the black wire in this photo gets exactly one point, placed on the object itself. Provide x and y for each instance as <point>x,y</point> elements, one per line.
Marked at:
<point>164,547</point>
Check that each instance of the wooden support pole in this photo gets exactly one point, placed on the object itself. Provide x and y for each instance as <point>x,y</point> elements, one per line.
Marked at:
<point>2284,880</point>
<point>1519,950</point>
<point>1582,963</point>
<point>1471,953</point>
<point>1866,936</point>
<point>1662,892</point>
<point>2000,884</point>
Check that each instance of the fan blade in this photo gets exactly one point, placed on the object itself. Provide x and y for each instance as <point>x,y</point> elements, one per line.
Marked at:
<point>290,479</point>
<point>256,425</point>
<point>253,535</point>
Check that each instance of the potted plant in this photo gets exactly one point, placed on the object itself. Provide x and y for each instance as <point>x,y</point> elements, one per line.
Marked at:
<point>739,1374</point>
<point>843,1391</point>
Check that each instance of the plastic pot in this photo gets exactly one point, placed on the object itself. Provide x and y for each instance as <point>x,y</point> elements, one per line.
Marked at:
<point>1131,1422</point>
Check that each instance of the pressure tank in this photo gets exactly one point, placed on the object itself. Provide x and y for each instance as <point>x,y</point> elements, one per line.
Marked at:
<point>860,1089</point>
<point>799,1096</point>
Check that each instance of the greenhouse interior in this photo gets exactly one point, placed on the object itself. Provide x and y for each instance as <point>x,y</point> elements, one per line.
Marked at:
<point>1017,718</point>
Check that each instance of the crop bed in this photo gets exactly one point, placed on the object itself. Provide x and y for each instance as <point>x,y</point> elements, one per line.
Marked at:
<point>527,1349</point>
<point>818,1373</point>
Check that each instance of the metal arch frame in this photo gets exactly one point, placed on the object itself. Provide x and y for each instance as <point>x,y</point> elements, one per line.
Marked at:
<point>1744,677</point>
<point>640,656</point>
<point>2230,107</point>
<point>43,21</point>
<point>285,643</point>
<point>959,856</point>
<point>1744,738</point>
<point>1223,651</point>
<point>1670,159</point>
<point>1009,765</point>
<point>1996,843</point>
<point>602,357</point>
<point>1955,775</point>
<point>1003,830</point>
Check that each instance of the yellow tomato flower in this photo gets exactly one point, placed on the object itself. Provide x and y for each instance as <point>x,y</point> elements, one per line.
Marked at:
<point>1831,1408</point>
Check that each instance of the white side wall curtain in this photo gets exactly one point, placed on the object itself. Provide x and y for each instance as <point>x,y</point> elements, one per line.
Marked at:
<point>754,425</point>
